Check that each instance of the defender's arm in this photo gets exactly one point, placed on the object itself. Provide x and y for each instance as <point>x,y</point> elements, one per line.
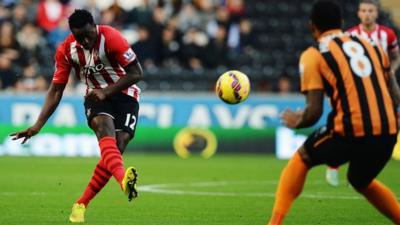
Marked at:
<point>313,110</point>
<point>311,113</point>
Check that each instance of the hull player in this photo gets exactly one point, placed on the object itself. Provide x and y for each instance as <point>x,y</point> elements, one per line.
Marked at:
<point>101,58</point>
<point>382,35</point>
<point>361,128</point>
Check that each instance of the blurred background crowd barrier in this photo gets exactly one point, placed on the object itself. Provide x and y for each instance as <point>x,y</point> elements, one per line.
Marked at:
<point>248,127</point>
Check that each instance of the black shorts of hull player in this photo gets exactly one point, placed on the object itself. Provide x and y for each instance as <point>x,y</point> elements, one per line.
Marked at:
<point>101,58</point>
<point>366,156</point>
<point>360,130</point>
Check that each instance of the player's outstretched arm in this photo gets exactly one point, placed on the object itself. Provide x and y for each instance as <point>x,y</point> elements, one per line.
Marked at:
<point>53,98</point>
<point>310,115</point>
<point>134,74</point>
<point>313,110</point>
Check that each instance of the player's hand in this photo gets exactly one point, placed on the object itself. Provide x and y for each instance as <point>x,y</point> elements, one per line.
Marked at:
<point>291,118</point>
<point>96,95</point>
<point>25,134</point>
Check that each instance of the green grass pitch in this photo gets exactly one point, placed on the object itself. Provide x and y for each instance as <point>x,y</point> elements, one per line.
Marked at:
<point>223,190</point>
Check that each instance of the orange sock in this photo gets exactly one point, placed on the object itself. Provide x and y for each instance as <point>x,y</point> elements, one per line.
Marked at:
<point>290,186</point>
<point>383,199</point>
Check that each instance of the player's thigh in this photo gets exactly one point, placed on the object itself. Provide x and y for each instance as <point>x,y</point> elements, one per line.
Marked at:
<point>93,109</point>
<point>100,117</point>
<point>369,157</point>
<point>323,147</point>
<point>126,115</point>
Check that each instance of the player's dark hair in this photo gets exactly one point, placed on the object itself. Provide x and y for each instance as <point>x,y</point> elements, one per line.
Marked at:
<point>326,15</point>
<point>373,2</point>
<point>79,18</point>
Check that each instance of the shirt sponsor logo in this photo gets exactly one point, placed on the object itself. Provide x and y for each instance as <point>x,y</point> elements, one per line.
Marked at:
<point>93,69</point>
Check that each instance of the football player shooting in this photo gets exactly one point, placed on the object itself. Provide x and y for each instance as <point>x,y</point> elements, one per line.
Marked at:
<point>368,12</point>
<point>100,57</point>
<point>361,130</point>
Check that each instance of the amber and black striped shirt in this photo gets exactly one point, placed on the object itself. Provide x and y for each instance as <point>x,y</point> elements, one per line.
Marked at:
<point>352,72</point>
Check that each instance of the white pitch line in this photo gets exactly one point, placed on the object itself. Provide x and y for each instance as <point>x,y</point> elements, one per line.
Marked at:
<point>174,189</point>
<point>26,194</point>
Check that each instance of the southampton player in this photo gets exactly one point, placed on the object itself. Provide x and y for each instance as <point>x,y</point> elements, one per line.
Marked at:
<point>361,129</point>
<point>382,35</point>
<point>101,58</point>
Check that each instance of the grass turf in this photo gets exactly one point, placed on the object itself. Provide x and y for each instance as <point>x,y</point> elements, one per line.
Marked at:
<point>227,189</point>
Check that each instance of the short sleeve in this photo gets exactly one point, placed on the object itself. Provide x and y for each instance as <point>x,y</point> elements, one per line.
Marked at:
<point>119,49</point>
<point>310,75</point>
<point>62,66</point>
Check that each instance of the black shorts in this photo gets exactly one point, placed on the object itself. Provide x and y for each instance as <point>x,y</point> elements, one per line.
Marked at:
<point>122,108</point>
<point>367,156</point>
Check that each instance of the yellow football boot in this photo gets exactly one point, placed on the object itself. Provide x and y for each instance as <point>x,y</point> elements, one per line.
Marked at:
<point>129,183</point>
<point>78,213</point>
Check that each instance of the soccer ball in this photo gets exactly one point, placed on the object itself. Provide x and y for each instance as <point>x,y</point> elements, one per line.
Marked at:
<point>233,87</point>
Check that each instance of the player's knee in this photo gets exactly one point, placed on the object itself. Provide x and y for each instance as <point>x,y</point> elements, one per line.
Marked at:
<point>103,126</point>
<point>103,129</point>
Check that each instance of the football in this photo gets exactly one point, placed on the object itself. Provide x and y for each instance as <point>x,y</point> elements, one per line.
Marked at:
<point>233,87</point>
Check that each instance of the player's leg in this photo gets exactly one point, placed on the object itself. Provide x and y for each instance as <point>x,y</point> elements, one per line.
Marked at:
<point>380,196</point>
<point>123,138</point>
<point>290,186</point>
<point>363,170</point>
<point>130,181</point>
<point>320,147</point>
<point>126,114</point>
<point>103,126</point>
<point>111,161</point>
<point>100,178</point>
<point>332,175</point>
<point>101,175</point>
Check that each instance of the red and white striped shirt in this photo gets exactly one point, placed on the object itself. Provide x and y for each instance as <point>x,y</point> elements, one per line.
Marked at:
<point>382,35</point>
<point>99,67</point>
